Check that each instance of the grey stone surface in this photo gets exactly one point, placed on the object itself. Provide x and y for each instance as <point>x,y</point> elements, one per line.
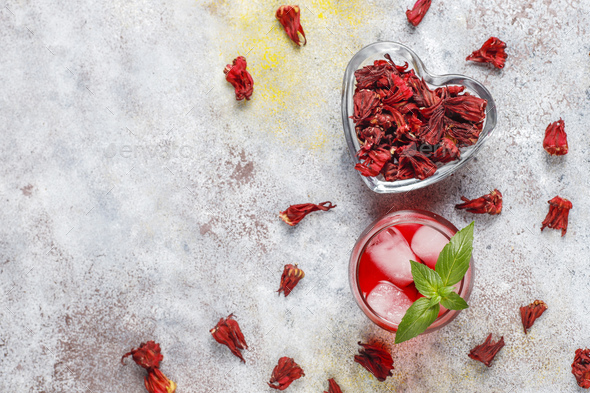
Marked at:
<point>140,201</point>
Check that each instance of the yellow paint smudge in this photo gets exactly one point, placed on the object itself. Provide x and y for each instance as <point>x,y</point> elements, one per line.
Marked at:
<point>291,84</point>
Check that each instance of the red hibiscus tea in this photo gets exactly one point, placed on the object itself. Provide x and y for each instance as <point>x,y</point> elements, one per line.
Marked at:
<point>380,270</point>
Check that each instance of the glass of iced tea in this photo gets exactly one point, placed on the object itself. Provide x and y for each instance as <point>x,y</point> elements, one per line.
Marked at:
<point>380,271</point>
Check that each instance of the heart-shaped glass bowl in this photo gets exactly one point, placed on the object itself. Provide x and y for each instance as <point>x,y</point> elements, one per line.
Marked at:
<point>401,54</point>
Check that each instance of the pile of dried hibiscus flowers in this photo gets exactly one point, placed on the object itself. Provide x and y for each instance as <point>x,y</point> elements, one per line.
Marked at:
<point>405,128</point>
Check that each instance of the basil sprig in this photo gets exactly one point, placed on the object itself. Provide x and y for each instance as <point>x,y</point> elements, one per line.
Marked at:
<point>437,285</point>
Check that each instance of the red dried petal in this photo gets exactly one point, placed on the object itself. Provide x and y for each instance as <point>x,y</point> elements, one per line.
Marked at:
<point>285,373</point>
<point>376,359</point>
<point>490,203</point>
<point>412,164</point>
<point>368,76</point>
<point>333,386</point>
<point>466,107</point>
<point>240,78</point>
<point>372,161</point>
<point>581,368</point>
<point>447,151</point>
<point>434,131</point>
<point>449,91</point>
<point>228,332</point>
<point>530,313</point>
<point>557,218</point>
<point>423,96</point>
<point>486,352</point>
<point>399,91</point>
<point>365,105</point>
<point>289,16</point>
<point>465,134</point>
<point>492,51</point>
<point>290,278</point>
<point>371,136</point>
<point>295,213</point>
<point>555,142</point>
<point>390,171</point>
<point>416,14</point>
<point>157,382</point>
<point>147,355</point>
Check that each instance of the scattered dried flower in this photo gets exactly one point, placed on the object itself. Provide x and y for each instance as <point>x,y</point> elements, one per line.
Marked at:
<point>157,382</point>
<point>490,203</point>
<point>147,355</point>
<point>289,16</point>
<point>555,142</point>
<point>285,373</point>
<point>295,213</point>
<point>240,78</point>
<point>376,359</point>
<point>486,352</point>
<point>557,218</point>
<point>333,386</point>
<point>581,367</point>
<point>228,332</point>
<point>492,51</point>
<point>416,14</point>
<point>290,278</point>
<point>530,313</point>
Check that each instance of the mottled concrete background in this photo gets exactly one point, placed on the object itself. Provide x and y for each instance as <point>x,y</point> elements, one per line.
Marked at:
<point>140,200</point>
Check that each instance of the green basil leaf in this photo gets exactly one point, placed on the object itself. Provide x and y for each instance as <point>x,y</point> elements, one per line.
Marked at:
<point>416,320</point>
<point>444,291</point>
<point>427,280</point>
<point>434,300</point>
<point>453,261</point>
<point>454,302</point>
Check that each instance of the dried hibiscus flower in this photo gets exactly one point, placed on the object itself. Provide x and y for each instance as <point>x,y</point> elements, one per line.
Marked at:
<point>581,367</point>
<point>492,51</point>
<point>295,213</point>
<point>490,203</point>
<point>228,332</point>
<point>555,142</point>
<point>240,78</point>
<point>289,16</point>
<point>285,373</point>
<point>412,164</point>
<point>372,161</point>
<point>290,278</point>
<point>407,130</point>
<point>486,352</point>
<point>467,107</point>
<point>559,210</point>
<point>147,355</point>
<point>447,151</point>
<point>376,359</point>
<point>416,14</point>
<point>157,382</point>
<point>333,387</point>
<point>530,313</point>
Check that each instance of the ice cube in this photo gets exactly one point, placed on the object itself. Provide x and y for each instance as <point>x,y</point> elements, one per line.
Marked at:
<point>389,301</point>
<point>427,243</point>
<point>391,253</point>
